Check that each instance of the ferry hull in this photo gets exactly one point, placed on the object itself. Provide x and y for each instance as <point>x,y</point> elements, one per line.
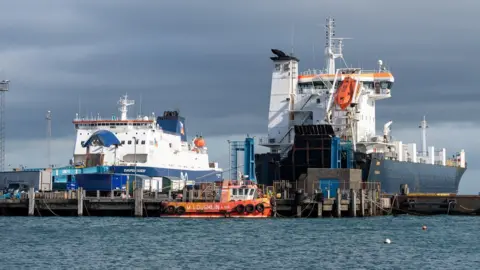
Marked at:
<point>197,176</point>
<point>420,177</point>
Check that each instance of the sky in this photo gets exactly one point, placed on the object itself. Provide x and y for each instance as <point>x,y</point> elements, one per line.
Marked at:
<point>210,59</point>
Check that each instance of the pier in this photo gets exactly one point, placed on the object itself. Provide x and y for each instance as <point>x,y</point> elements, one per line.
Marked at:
<point>287,202</point>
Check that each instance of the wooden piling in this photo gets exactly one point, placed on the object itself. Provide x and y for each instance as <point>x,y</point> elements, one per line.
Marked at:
<point>370,202</point>
<point>353,203</point>
<point>31,202</point>
<point>137,193</point>
<point>319,209</point>
<point>190,195</point>
<point>80,201</point>
<point>338,203</point>
<point>299,211</point>
<point>362,202</point>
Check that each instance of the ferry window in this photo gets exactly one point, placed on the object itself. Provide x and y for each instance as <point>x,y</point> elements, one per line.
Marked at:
<point>234,191</point>
<point>129,142</point>
<point>82,142</point>
<point>277,67</point>
<point>240,192</point>
<point>143,142</point>
<point>286,67</point>
<point>251,191</point>
<point>170,144</point>
<point>246,191</point>
<point>122,142</point>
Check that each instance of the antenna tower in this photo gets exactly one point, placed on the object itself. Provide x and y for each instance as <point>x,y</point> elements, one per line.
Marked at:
<point>48,117</point>
<point>4,85</point>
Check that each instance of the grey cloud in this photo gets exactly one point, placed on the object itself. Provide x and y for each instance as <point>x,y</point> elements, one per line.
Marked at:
<point>211,60</point>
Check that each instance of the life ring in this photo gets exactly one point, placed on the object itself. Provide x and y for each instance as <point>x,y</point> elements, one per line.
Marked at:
<point>240,208</point>
<point>180,210</point>
<point>171,209</point>
<point>260,207</point>
<point>249,208</point>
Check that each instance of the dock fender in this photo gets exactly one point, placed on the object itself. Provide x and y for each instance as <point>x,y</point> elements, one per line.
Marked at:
<point>170,209</point>
<point>240,208</point>
<point>249,208</point>
<point>260,207</point>
<point>180,210</point>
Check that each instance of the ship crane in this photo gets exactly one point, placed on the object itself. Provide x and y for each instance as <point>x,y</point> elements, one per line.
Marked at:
<point>386,131</point>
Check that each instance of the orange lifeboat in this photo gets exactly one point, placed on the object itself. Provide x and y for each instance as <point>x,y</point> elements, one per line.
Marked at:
<point>345,93</point>
<point>235,200</point>
<point>199,142</point>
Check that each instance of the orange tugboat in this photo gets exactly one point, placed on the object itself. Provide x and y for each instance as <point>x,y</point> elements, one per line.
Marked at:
<point>231,199</point>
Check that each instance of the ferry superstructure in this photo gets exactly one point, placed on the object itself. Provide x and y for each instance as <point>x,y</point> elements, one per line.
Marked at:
<point>153,146</point>
<point>342,102</point>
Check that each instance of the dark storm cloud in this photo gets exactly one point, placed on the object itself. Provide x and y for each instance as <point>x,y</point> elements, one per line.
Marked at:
<point>210,59</point>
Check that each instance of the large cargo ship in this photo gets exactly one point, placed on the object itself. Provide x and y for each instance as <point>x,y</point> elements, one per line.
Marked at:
<point>146,145</point>
<point>309,110</point>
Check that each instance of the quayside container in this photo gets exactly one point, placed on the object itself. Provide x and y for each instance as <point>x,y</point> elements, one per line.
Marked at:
<point>101,181</point>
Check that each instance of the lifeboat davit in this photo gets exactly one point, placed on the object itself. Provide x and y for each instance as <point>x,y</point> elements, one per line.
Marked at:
<point>345,92</point>
<point>236,200</point>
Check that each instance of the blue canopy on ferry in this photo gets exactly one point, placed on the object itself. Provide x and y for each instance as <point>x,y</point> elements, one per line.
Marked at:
<point>102,138</point>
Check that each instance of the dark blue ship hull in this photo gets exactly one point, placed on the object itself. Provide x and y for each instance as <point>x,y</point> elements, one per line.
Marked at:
<point>314,148</point>
<point>420,177</point>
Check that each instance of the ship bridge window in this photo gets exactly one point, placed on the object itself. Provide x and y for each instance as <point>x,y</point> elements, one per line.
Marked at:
<point>122,142</point>
<point>143,142</point>
<point>368,85</point>
<point>234,191</point>
<point>240,192</point>
<point>129,142</point>
<point>286,67</point>
<point>277,67</point>
<point>252,191</point>
<point>386,85</point>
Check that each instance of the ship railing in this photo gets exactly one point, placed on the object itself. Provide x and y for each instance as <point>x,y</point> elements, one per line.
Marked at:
<point>323,72</point>
<point>286,189</point>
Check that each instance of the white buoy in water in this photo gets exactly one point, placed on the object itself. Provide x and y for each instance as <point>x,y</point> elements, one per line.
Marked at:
<point>387,241</point>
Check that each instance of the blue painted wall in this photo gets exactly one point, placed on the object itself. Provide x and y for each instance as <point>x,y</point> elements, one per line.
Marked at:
<point>329,184</point>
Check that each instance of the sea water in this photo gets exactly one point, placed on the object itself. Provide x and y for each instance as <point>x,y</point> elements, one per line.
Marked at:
<point>449,242</point>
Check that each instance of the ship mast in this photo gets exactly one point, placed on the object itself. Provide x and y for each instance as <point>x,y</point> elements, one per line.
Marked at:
<point>124,103</point>
<point>333,47</point>
<point>423,126</point>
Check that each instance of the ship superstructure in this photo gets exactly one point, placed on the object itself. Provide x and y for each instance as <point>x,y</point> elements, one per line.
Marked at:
<point>344,100</point>
<point>154,146</point>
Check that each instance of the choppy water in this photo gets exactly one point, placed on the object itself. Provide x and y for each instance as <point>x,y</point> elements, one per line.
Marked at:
<point>153,243</point>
